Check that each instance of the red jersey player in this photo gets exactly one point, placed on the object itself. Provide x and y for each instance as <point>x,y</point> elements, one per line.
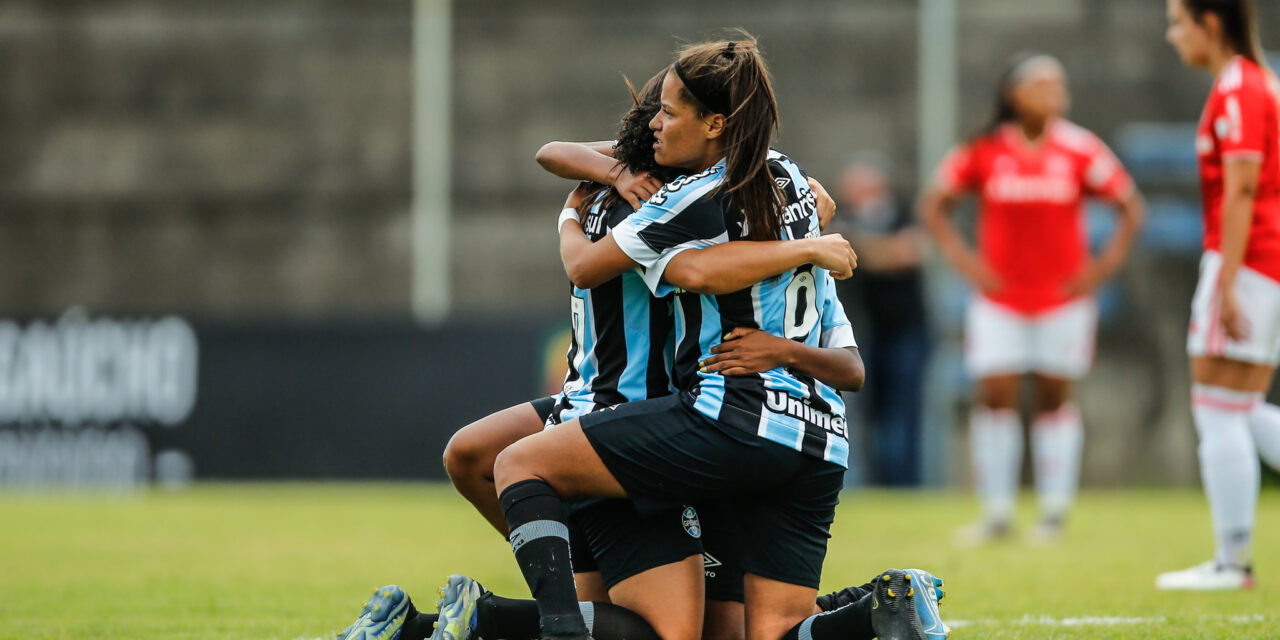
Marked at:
<point>1234,335</point>
<point>1034,312</point>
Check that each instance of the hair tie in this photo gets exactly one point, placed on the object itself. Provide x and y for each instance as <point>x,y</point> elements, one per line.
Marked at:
<point>728,51</point>
<point>717,100</point>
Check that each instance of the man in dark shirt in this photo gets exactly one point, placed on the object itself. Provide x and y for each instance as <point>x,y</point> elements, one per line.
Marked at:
<point>886,292</point>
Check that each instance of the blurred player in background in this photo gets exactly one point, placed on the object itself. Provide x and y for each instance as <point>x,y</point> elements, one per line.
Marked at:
<point>1234,335</point>
<point>1034,311</point>
<point>888,288</point>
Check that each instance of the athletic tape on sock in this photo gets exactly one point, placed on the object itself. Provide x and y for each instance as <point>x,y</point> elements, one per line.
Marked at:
<point>806,628</point>
<point>588,615</point>
<point>531,531</point>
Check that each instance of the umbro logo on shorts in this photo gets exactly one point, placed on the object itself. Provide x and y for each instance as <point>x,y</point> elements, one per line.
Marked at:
<point>709,561</point>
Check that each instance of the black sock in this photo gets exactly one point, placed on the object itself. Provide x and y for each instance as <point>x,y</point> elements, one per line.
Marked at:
<point>850,622</point>
<point>843,597</point>
<point>418,626</point>
<point>540,540</point>
<point>508,619</point>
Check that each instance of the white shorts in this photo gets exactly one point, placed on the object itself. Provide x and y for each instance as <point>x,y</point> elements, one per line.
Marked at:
<point>1058,342</point>
<point>1259,300</point>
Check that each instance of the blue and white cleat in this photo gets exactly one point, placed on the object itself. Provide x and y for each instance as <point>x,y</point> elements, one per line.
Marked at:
<point>381,617</point>
<point>926,589</point>
<point>457,609</point>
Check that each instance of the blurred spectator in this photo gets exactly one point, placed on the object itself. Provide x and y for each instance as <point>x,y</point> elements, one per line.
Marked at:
<point>886,295</point>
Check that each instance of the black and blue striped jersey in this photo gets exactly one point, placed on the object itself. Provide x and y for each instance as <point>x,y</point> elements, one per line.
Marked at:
<point>622,340</point>
<point>780,405</point>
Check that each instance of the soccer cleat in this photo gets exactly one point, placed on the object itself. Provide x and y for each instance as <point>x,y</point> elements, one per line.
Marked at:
<point>381,617</point>
<point>926,590</point>
<point>893,607</point>
<point>1209,576</point>
<point>850,595</point>
<point>457,608</point>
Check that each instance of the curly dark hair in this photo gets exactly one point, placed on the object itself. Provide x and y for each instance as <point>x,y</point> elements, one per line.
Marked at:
<point>634,146</point>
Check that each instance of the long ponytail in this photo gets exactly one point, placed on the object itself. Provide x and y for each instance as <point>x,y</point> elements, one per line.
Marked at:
<point>730,78</point>
<point>1239,24</point>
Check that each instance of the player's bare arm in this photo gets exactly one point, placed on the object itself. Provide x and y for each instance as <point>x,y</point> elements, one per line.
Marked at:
<point>826,204</point>
<point>716,270</point>
<point>734,266</point>
<point>1132,213</point>
<point>746,351</point>
<point>592,161</point>
<point>936,207</point>
<point>1240,182</point>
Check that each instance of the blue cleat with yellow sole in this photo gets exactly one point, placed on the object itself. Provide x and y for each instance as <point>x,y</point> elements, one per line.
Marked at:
<point>457,608</point>
<point>381,617</point>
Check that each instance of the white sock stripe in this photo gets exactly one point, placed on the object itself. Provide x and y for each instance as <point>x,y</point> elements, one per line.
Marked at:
<point>806,628</point>
<point>1223,398</point>
<point>1067,414</point>
<point>588,610</point>
<point>530,531</point>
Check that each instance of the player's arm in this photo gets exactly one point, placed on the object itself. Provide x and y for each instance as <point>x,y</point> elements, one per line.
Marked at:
<point>1132,213</point>
<point>1242,144</point>
<point>1240,187</point>
<point>592,161</point>
<point>733,266</point>
<point>715,270</point>
<point>936,208</point>
<point>744,351</point>
<point>684,248</point>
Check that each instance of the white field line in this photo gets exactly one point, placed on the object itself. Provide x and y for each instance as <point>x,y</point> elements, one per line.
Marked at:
<point>1100,621</point>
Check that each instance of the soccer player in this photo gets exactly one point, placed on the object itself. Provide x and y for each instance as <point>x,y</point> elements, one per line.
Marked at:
<point>776,440</point>
<point>1034,311</point>
<point>1234,336</point>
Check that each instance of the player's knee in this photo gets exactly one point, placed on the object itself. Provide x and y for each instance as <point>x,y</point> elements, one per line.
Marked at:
<point>998,396</point>
<point>464,456</point>
<point>512,465</point>
<point>1051,396</point>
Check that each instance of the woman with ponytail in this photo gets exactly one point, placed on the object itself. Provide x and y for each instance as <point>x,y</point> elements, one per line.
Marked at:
<point>1033,312</point>
<point>1234,335</point>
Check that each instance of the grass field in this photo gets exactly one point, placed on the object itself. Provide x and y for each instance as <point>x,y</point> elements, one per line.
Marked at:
<point>286,561</point>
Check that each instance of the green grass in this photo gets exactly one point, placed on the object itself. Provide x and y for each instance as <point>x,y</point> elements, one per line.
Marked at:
<point>289,561</point>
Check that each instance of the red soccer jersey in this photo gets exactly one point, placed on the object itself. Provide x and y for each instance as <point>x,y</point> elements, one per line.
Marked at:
<point>1031,229</point>
<point>1240,121</point>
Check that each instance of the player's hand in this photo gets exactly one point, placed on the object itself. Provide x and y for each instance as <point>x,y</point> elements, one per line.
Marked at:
<point>1234,323</point>
<point>982,276</point>
<point>635,188</point>
<point>826,205</point>
<point>835,254</point>
<point>1088,280</point>
<point>576,196</point>
<point>745,351</point>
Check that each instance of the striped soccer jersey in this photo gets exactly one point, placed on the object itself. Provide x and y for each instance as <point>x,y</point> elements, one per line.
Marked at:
<point>621,344</point>
<point>781,405</point>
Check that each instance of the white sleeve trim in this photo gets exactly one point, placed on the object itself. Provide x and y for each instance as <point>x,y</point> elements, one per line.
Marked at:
<point>838,337</point>
<point>654,271</point>
<point>1242,154</point>
<point>627,235</point>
